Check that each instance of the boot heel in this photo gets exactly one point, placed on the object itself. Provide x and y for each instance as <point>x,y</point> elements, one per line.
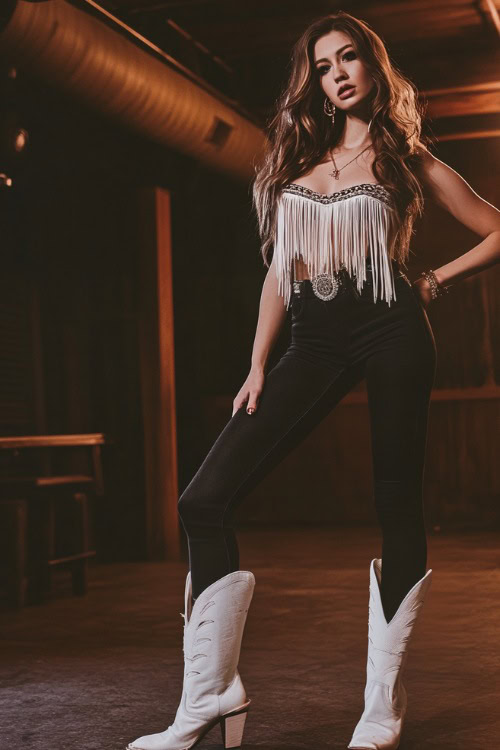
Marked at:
<point>232,726</point>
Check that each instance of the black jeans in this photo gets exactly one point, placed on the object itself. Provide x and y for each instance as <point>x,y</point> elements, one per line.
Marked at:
<point>334,344</point>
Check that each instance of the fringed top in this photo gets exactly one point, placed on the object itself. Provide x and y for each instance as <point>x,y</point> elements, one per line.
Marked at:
<point>333,231</point>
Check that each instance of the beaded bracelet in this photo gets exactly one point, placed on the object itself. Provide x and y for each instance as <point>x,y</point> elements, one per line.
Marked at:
<point>437,289</point>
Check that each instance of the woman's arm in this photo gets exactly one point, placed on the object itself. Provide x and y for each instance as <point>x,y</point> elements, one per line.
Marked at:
<point>272,313</point>
<point>454,194</point>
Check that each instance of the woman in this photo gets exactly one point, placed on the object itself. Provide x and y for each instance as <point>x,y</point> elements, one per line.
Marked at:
<point>336,195</point>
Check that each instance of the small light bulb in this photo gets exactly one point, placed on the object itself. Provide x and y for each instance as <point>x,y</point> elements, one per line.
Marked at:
<point>21,139</point>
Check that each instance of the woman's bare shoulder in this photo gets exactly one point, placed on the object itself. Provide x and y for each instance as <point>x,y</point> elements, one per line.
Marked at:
<point>453,193</point>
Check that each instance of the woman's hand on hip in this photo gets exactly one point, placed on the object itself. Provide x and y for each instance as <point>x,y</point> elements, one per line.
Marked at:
<point>423,291</point>
<point>250,391</point>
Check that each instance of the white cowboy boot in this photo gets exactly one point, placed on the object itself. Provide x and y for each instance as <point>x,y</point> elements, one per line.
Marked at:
<point>212,690</point>
<point>381,723</point>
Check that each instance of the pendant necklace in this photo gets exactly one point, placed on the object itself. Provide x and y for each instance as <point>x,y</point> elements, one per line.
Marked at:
<point>336,171</point>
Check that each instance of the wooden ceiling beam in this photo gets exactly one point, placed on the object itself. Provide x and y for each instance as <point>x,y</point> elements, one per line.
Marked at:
<point>469,134</point>
<point>476,99</point>
<point>490,10</point>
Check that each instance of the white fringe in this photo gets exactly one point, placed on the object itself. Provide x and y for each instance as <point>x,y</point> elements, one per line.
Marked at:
<point>327,235</point>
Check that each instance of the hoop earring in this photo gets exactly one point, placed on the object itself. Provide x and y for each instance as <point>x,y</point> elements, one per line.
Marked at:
<point>370,124</point>
<point>329,108</point>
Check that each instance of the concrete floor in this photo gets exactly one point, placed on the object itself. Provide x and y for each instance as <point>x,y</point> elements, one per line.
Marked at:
<point>96,672</point>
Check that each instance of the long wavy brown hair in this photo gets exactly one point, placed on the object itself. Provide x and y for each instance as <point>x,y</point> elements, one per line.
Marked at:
<point>299,134</point>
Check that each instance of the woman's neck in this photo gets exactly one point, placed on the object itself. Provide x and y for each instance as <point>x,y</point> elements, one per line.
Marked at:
<point>355,135</point>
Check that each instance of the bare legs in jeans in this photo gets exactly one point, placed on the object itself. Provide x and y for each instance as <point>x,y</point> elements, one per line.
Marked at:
<point>334,345</point>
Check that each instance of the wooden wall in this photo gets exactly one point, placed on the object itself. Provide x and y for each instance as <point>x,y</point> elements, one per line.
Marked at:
<point>71,309</point>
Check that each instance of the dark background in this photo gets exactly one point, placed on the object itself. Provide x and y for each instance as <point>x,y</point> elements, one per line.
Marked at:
<point>71,247</point>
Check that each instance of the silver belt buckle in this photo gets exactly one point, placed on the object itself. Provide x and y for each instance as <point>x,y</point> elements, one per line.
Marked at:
<point>325,286</point>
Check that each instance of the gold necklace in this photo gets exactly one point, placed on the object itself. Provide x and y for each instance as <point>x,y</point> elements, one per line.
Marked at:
<point>336,171</point>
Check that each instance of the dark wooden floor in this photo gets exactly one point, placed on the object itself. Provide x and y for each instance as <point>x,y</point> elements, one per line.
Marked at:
<point>96,672</point>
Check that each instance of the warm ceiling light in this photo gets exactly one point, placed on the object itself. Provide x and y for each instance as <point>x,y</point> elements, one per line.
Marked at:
<point>20,139</point>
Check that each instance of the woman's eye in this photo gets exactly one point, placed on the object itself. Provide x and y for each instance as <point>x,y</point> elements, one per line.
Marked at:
<point>325,68</point>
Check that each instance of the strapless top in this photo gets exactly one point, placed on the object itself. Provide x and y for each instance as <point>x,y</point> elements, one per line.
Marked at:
<point>333,231</point>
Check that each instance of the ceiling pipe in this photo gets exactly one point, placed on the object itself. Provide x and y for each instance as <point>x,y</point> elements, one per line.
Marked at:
<point>80,54</point>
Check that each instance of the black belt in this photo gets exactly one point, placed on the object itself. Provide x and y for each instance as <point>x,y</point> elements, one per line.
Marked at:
<point>326,286</point>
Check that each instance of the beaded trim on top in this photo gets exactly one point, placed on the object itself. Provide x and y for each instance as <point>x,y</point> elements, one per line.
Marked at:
<point>328,231</point>
<point>374,189</point>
